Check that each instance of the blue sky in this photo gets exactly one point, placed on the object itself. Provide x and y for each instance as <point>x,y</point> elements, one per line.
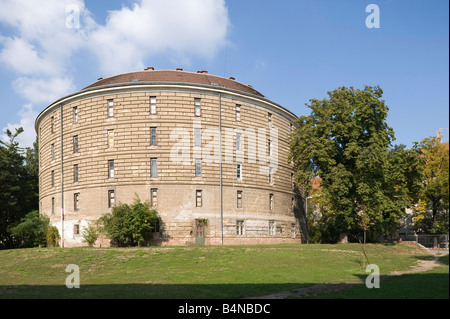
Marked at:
<point>290,50</point>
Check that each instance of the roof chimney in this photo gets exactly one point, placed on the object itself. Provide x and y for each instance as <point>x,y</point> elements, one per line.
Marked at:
<point>232,78</point>
<point>179,69</point>
<point>150,68</point>
<point>202,72</point>
<point>100,79</point>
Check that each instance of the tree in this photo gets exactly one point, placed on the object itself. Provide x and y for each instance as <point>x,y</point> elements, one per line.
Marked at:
<point>31,232</point>
<point>90,235</point>
<point>347,143</point>
<point>130,225</point>
<point>432,211</point>
<point>18,185</point>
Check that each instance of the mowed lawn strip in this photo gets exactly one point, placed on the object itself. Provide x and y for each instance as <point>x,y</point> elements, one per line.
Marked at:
<point>192,271</point>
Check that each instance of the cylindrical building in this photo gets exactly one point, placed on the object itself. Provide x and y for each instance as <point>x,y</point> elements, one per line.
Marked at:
<point>209,153</point>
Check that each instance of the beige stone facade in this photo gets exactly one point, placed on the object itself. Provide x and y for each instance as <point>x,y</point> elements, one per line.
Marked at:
<point>164,151</point>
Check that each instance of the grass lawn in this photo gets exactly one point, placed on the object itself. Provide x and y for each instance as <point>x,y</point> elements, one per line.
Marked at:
<point>195,272</point>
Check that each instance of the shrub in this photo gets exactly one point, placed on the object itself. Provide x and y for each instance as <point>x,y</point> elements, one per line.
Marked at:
<point>52,236</point>
<point>130,225</point>
<point>90,235</point>
<point>30,232</point>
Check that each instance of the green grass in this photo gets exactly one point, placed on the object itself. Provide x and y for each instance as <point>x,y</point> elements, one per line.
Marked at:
<point>194,271</point>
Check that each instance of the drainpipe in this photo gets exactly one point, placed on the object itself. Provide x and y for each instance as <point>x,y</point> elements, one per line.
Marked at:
<point>62,181</point>
<point>220,163</point>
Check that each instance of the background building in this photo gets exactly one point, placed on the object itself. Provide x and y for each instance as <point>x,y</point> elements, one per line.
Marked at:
<point>210,153</point>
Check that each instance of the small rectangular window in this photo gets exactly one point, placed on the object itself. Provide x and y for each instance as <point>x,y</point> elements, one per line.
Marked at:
<point>199,198</point>
<point>75,144</point>
<point>238,113</point>
<point>153,136</point>
<point>111,198</point>
<point>110,138</point>
<point>197,107</point>
<point>53,152</point>
<point>53,205</point>
<point>239,170</point>
<point>292,230</point>
<point>271,228</point>
<point>238,142</point>
<point>269,120</point>
<point>198,167</point>
<point>198,137</point>
<point>239,227</point>
<point>271,179</point>
<point>239,199</point>
<point>76,230</point>
<point>271,201</point>
<point>53,178</point>
<point>110,169</point>
<point>154,167</point>
<point>153,105</point>
<point>75,173</point>
<point>75,114</point>
<point>52,125</point>
<point>110,108</point>
<point>156,225</point>
<point>154,197</point>
<point>75,201</point>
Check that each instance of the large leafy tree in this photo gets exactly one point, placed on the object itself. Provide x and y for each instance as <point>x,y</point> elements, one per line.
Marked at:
<point>346,141</point>
<point>432,211</point>
<point>18,186</point>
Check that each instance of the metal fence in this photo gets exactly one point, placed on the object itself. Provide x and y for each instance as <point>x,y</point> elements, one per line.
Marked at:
<point>430,241</point>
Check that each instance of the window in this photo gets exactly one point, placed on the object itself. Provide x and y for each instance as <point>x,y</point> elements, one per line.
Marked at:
<point>198,137</point>
<point>75,201</point>
<point>153,136</point>
<point>76,230</point>
<point>75,173</point>
<point>111,198</point>
<point>270,147</point>
<point>198,167</point>
<point>75,144</point>
<point>154,197</point>
<point>292,180</point>
<point>239,199</point>
<point>198,198</point>
<point>110,169</point>
<point>270,175</point>
<point>238,142</point>
<point>271,228</point>
<point>239,170</point>
<point>238,113</point>
<point>75,114</point>
<point>153,105</point>
<point>239,227</point>
<point>292,230</point>
<point>53,205</point>
<point>52,125</point>
<point>53,152</point>
<point>156,225</point>
<point>110,138</point>
<point>292,204</point>
<point>271,201</point>
<point>269,120</point>
<point>53,178</point>
<point>110,108</point>
<point>154,167</point>
<point>197,107</point>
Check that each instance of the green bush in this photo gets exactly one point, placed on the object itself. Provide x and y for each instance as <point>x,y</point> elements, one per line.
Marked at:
<point>52,236</point>
<point>90,235</point>
<point>30,232</point>
<point>130,225</point>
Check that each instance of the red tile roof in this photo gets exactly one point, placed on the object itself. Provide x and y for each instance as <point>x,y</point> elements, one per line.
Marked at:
<point>179,76</point>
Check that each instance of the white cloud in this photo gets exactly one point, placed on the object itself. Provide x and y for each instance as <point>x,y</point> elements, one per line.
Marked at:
<point>27,117</point>
<point>41,90</point>
<point>178,28</point>
<point>44,39</point>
